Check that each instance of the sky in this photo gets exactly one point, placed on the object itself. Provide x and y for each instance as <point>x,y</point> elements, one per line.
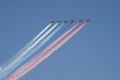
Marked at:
<point>92,54</point>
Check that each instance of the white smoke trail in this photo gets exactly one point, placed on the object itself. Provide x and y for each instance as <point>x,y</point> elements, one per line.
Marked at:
<point>26,51</point>
<point>27,45</point>
<point>0,69</point>
<point>18,58</point>
<point>11,66</point>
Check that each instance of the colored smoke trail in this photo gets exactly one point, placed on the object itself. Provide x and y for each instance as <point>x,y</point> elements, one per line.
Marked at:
<point>39,60</point>
<point>26,46</point>
<point>44,41</point>
<point>30,63</point>
<point>24,53</point>
<point>16,76</point>
<point>19,59</point>
<point>29,43</point>
<point>0,69</point>
<point>37,37</point>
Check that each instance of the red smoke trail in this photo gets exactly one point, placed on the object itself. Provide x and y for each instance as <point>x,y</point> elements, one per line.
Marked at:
<point>50,52</point>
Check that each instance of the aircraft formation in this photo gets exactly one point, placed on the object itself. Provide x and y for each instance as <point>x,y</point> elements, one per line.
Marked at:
<point>66,21</point>
<point>36,43</point>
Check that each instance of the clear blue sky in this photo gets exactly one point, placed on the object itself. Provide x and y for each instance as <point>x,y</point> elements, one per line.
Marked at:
<point>92,54</point>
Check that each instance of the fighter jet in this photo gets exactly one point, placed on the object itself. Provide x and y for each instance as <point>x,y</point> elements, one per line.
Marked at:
<point>59,21</point>
<point>72,21</point>
<point>80,20</point>
<point>88,20</point>
<point>65,21</point>
<point>51,21</point>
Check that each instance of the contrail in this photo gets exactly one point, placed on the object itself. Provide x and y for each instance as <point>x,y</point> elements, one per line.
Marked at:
<point>40,59</point>
<point>19,59</point>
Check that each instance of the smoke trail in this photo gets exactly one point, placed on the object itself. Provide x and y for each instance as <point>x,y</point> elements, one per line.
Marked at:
<point>37,37</point>
<point>23,54</point>
<point>44,41</point>
<point>19,60</point>
<point>28,44</point>
<point>41,59</point>
<point>0,69</point>
<point>50,46</point>
<point>50,52</point>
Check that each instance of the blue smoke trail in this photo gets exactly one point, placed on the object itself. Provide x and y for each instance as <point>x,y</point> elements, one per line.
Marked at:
<point>10,67</point>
